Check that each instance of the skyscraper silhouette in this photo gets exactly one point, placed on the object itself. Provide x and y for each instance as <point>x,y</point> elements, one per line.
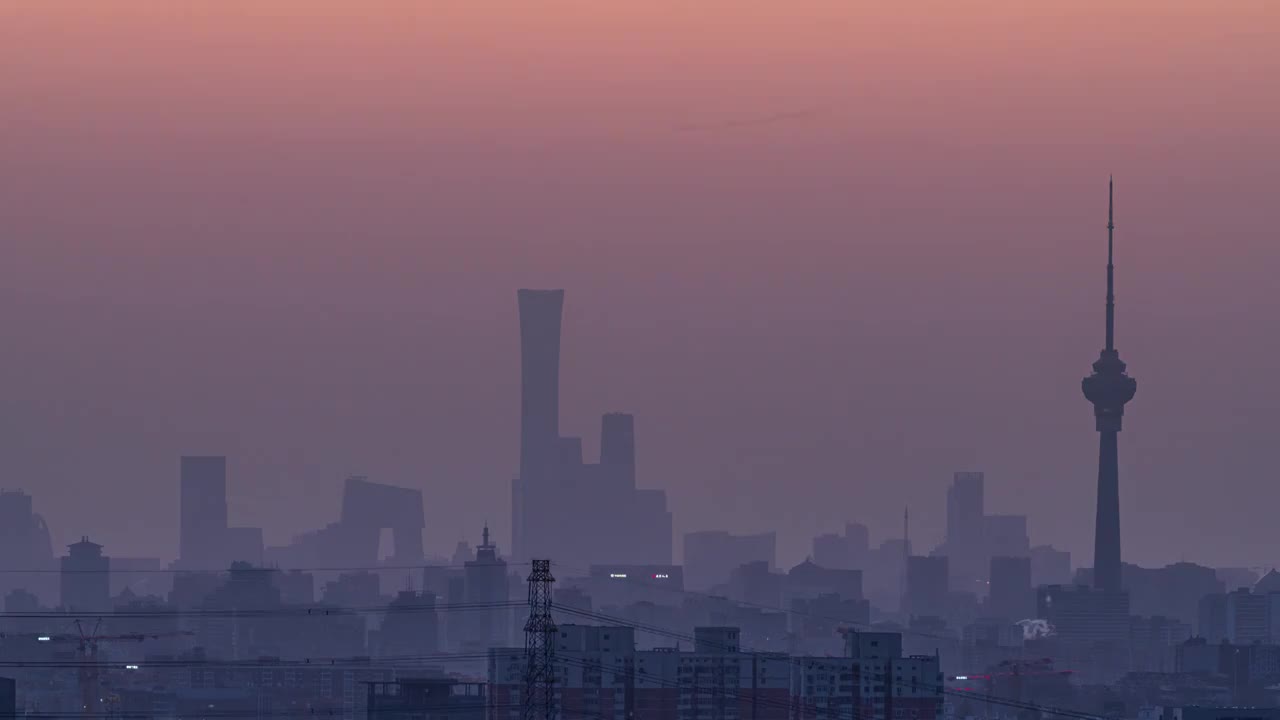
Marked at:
<point>540,313</point>
<point>563,507</point>
<point>1108,388</point>
<point>203,512</point>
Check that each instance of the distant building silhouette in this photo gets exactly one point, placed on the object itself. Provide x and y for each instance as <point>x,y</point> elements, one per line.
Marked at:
<point>353,541</point>
<point>486,585</point>
<point>426,698</point>
<point>1082,616</point>
<point>562,507</point>
<point>974,537</point>
<point>1108,389</point>
<point>86,578</point>
<point>1050,566</point>
<point>710,556</point>
<point>966,526</point>
<point>25,545</point>
<point>8,699</point>
<point>844,552</point>
<point>1006,536</point>
<point>206,541</point>
<point>203,513</point>
<point>1012,595</point>
<point>928,585</point>
<point>410,626</point>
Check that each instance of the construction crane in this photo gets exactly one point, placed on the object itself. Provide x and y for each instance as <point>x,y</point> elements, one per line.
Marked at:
<point>87,654</point>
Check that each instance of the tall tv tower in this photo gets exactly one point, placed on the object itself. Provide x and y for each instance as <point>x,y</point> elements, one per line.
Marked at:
<point>1108,388</point>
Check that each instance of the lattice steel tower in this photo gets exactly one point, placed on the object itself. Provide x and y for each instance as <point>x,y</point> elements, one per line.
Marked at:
<point>540,647</point>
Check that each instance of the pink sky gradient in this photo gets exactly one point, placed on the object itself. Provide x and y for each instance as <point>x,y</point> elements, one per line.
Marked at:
<point>827,250</point>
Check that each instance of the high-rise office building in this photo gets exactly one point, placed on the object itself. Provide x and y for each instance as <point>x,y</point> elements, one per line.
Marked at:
<point>86,578</point>
<point>966,527</point>
<point>1108,389</point>
<point>965,507</point>
<point>1012,596</point>
<point>1081,615</point>
<point>203,512</point>
<point>618,445</point>
<point>843,552</point>
<point>540,317</point>
<point>1246,617</point>
<point>928,584</point>
<point>25,545</point>
<point>1006,536</point>
<point>576,513</point>
<point>859,538</point>
<point>832,551</point>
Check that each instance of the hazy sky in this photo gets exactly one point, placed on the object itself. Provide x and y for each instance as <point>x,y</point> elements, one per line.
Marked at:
<point>828,251</point>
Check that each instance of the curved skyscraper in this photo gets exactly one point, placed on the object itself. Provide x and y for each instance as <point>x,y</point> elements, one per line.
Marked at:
<point>1108,388</point>
<point>574,512</point>
<point>540,313</point>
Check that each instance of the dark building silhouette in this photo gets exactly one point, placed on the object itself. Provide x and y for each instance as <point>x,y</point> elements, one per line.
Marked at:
<point>8,698</point>
<point>966,525</point>
<point>1011,596</point>
<point>25,545</point>
<point>203,512</point>
<point>486,585</point>
<point>86,578</point>
<point>844,552</point>
<point>618,444</point>
<point>429,698</point>
<point>973,537</point>
<point>928,584</point>
<point>296,587</point>
<point>540,317</point>
<point>808,579</point>
<point>1050,566</point>
<point>1108,389</point>
<point>410,626</point>
<point>206,541</point>
<point>367,509</point>
<point>562,507</point>
<point>831,550</point>
<point>711,556</point>
<point>1084,616</point>
<point>1006,536</point>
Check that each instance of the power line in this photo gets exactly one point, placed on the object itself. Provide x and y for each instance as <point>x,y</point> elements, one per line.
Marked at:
<point>262,662</point>
<point>227,570</point>
<point>318,610</point>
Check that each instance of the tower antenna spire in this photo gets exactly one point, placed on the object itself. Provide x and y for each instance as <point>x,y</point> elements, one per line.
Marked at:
<point>1111,285</point>
<point>1108,389</point>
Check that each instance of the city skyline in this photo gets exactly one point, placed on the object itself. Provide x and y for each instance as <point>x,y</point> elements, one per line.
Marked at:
<point>871,266</point>
<point>639,360</point>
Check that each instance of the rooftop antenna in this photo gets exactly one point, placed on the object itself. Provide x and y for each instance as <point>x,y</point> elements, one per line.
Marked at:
<point>906,532</point>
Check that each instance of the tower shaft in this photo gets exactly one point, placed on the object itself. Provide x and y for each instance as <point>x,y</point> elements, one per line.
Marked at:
<point>1106,540</point>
